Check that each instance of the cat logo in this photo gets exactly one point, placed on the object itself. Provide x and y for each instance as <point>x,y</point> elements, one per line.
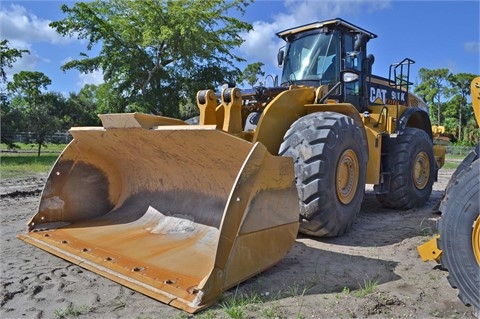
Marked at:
<point>380,94</point>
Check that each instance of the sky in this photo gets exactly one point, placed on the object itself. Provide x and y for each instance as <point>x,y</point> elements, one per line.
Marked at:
<point>435,34</point>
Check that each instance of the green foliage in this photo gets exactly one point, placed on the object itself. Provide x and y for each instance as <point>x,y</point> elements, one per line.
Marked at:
<point>368,287</point>
<point>188,110</point>
<point>81,108</point>
<point>8,56</point>
<point>27,147</point>
<point>459,90</point>
<point>471,133</point>
<point>236,306</point>
<point>21,166</point>
<point>432,89</point>
<point>23,163</point>
<point>11,118</point>
<point>155,55</point>
<point>28,85</point>
<point>251,73</point>
<point>11,121</point>
<point>206,314</point>
<point>39,109</point>
<point>447,96</point>
<point>70,311</point>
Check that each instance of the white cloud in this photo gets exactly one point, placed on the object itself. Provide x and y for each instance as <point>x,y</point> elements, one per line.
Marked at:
<point>23,30</point>
<point>472,47</point>
<point>261,44</point>
<point>26,31</point>
<point>22,26</point>
<point>95,77</point>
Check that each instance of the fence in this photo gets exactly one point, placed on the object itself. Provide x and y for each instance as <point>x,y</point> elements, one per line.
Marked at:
<point>458,150</point>
<point>56,138</point>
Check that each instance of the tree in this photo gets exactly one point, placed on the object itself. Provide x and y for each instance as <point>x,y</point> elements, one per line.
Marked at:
<point>28,86</point>
<point>81,108</point>
<point>8,56</point>
<point>43,119</point>
<point>109,101</point>
<point>460,89</point>
<point>37,107</point>
<point>431,88</point>
<point>447,95</point>
<point>155,54</point>
<point>251,73</point>
<point>11,121</point>
<point>471,132</point>
<point>10,118</point>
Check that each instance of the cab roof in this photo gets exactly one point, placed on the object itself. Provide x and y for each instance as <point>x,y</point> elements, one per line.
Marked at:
<point>327,23</point>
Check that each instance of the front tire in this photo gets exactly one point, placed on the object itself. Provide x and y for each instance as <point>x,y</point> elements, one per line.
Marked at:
<point>330,165</point>
<point>467,161</point>
<point>459,239</point>
<point>411,164</point>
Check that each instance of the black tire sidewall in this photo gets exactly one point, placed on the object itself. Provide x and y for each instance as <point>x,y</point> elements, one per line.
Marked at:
<point>403,194</point>
<point>316,142</point>
<point>461,207</point>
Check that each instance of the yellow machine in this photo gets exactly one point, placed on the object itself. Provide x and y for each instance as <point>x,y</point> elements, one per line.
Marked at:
<point>457,247</point>
<point>183,212</point>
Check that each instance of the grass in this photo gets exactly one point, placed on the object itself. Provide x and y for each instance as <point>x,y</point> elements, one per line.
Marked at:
<point>22,162</point>
<point>236,306</point>
<point>70,311</point>
<point>23,165</point>
<point>256,300</point>
<point>29,147</point>
<point>450,165</point>
<point>369,286</point>
<point>206,314</point>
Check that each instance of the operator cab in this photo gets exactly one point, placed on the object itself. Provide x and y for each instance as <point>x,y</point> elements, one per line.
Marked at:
<point>316,53</point>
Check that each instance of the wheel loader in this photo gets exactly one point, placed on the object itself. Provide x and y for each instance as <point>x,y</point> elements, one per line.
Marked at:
<point>184,212</point>
<point>457,247</point>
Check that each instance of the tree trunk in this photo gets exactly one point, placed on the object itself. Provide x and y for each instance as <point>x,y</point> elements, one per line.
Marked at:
<point>460,124</point>
<point>438,111</point>
<point>39,149</point>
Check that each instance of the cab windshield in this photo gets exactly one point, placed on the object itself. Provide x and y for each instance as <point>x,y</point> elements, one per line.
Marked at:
<point>312,58</point>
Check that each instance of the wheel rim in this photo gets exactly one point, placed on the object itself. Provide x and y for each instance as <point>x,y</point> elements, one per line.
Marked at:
<point>347,176</point>
<point>476,239</point>
<point>421,170</point>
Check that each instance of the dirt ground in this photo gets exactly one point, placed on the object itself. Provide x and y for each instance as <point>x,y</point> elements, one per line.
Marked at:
<point>319,278</point>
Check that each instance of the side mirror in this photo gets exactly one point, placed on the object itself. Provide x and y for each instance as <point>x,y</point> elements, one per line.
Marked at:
<point>360,40</point>
<point>280,57</point>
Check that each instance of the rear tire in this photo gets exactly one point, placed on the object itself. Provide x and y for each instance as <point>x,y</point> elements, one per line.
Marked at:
<point>459,239</point>
<point>330,166</point>
<point>411,162</point>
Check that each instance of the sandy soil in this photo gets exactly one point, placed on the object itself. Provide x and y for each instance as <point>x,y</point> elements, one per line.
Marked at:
<point>319,278</point>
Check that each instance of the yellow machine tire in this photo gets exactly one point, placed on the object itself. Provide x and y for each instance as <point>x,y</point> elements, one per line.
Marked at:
<point>411,163</point>
<point>330,168</point>
<point>459,229</point>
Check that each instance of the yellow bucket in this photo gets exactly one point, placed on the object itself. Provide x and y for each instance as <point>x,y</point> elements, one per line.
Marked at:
<point>177,212</point>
